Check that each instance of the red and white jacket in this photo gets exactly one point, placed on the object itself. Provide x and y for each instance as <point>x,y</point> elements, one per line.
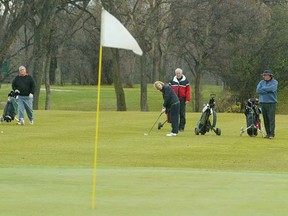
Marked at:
<point>181,88</point>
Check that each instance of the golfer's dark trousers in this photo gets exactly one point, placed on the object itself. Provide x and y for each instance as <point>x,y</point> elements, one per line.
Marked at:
<point>174,114</point>
<point>268,112</point>
<point>182,113</point>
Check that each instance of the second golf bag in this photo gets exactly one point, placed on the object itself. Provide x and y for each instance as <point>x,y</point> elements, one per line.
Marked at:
<point>10,109</point>
<point>205,124</point>
<point>253,121</point>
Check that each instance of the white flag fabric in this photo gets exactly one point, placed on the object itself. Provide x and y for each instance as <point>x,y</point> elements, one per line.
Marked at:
<point>114,34</point>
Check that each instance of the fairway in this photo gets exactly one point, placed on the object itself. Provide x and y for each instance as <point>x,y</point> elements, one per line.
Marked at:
<point>47,168</point>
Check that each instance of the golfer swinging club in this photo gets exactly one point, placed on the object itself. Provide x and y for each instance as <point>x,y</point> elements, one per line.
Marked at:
<point>171,102</point>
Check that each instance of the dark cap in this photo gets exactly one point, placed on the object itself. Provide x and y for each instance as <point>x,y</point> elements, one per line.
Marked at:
<point>267,72</point>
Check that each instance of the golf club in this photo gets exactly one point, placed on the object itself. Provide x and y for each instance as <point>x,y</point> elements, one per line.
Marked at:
<point>160,125</point>
<point>146,134</point>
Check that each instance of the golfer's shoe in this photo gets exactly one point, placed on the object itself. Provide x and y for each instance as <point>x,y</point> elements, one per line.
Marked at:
<point>171,134</point>
<point>31,122</point>
<point>21,122</point>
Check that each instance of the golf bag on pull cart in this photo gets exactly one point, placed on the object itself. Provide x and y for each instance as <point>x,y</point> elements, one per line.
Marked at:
<point>204,124</point>
<point>10,109</point>
<point>253,121</point>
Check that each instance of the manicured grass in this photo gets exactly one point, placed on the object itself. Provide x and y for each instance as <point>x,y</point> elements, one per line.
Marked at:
<point>47,168</point>
<point>58,136</point>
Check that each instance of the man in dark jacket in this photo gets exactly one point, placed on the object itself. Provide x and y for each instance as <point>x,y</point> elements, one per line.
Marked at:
<point>171,102</point>
<point>267,90</point>
<point>181,87</point>
<point>24,85</point>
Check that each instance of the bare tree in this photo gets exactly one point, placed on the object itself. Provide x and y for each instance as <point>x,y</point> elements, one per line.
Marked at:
<point>147,20</point>
<point>13,16</point>
<point>207,33</point>
<point>42,17</point>
<point>59,39</point>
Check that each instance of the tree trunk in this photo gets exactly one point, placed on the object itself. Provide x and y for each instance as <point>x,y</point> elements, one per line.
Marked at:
<point>47,82</point>
<point>157,59</point>
<point>58,71</point>
<point>143,94</point>
<point>120,95</point>
<point>197,89</point>
<point>163,65</point>
<point>37,67</point>
<point>47,70</point>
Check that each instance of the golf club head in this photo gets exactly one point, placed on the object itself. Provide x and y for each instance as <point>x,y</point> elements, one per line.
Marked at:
<point>159,125</point>
<point>146,134</point>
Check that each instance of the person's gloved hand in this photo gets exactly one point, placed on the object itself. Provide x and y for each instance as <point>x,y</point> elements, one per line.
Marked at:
<point>163,110</point>
<point>30,95</point>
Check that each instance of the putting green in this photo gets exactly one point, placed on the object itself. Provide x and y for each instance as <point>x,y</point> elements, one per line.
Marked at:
<point>141,191</point>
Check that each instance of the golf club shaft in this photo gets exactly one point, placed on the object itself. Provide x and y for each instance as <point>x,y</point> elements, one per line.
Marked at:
<point>154,123</point>
<point>164,123</point>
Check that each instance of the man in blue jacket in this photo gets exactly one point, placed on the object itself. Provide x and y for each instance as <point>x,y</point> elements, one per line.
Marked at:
<point>267,90</point>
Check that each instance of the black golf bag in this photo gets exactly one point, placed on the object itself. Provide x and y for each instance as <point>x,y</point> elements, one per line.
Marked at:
<point>10,109</point>
<point>204,124</point>
<point>252,113</point>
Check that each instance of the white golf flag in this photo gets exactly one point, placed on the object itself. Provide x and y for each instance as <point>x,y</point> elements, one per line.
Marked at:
<point>114,34</point>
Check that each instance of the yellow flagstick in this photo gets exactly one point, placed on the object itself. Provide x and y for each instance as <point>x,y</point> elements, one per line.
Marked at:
<point>97,129</point>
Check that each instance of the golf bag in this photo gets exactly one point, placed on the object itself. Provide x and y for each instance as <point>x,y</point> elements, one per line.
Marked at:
<point>204,124</point>
<point>160,125</point>
<point>252,113</point>
<point>10,109</point>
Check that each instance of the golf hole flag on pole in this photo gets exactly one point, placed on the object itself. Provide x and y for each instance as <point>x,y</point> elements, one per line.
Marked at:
<point>115,35</point>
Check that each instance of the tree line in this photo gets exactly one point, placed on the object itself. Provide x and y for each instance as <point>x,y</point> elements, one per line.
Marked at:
<point>221,41</point>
